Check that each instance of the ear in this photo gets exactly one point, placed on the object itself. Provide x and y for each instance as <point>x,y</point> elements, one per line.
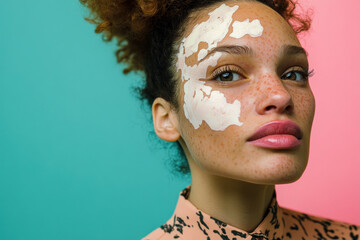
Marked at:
<point>165,120</point>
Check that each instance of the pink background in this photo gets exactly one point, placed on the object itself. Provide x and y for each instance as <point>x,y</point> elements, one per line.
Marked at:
<point>330,185</point>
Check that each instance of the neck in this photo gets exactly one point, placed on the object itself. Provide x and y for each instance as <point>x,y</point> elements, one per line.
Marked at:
<point>240,204</point>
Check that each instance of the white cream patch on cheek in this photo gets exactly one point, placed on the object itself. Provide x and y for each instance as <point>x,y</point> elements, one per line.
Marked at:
<point>210,106</point>
<point>253,28</point>
<point>201,103</point>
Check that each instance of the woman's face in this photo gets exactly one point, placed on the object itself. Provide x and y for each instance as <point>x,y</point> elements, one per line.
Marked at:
<point>241,66</point>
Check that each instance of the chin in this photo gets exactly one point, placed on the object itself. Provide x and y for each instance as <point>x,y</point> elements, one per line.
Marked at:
<point>271,178</point>
<point>282,169</point>
<point>269,171</point>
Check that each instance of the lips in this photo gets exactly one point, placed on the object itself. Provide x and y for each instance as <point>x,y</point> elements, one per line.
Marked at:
<point>277,135</point>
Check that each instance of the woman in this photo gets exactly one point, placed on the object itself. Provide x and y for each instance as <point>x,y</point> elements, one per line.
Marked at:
<point>228,81</point>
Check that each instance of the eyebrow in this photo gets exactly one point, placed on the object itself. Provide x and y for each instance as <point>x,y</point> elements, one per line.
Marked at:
<point>231,49</point>
<point>293,50</point>
<point>287,50</point>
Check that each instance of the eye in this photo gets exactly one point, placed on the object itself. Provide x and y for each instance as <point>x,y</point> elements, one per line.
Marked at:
<point>227,74</point>
<point>297,75</point>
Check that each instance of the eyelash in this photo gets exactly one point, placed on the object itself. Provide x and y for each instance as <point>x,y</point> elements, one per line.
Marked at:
<point>229,69</point>
<point>305,74</point>
<point>226,69</point>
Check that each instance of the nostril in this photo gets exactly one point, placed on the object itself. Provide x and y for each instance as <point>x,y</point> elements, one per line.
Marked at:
<point>269,107</point>
<point>288,108</point>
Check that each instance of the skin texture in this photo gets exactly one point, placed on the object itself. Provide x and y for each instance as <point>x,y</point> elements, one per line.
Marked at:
<point>233,180</point>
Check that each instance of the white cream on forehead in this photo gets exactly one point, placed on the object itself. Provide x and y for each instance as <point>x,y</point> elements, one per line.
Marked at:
<point>201,103</point>
<point>240,29</point>
<point>211,31</point>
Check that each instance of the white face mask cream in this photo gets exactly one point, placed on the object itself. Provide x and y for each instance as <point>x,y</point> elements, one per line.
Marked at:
<point>201,103</point>
<point>240,29</point>
<point>210,32</point>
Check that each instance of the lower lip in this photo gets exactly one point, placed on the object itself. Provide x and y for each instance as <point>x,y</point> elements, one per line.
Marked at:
<point>281,141</point>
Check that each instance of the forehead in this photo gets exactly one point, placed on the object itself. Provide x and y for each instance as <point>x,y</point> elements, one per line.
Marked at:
<point>276,31</point>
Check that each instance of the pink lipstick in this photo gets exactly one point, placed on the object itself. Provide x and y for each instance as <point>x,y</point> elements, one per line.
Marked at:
<point>277,135</point>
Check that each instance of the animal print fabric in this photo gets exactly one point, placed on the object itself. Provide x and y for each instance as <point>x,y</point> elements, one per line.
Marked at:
<point>189,223</point>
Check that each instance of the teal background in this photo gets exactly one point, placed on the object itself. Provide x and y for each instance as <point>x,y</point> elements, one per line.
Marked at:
<point>77,158</point>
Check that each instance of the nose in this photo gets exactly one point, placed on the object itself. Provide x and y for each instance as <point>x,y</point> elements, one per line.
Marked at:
<point>274,98</point>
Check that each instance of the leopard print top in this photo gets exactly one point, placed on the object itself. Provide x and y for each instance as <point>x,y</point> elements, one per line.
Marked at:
<point>189,223</point>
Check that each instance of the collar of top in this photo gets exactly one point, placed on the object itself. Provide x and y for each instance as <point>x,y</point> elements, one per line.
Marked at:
<point>188,222</point>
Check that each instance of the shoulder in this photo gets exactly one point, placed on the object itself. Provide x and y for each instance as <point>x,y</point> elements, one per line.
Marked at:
<point>310,226</point>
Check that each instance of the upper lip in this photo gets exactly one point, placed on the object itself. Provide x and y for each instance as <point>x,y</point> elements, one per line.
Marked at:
<point>277,127</point>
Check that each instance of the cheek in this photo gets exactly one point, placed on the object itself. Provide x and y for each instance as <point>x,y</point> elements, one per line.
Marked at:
<point>212,149</point>
<point>206,145</point>
<point>304,103</point>
<point>203,104</point>
<point>244,93</point>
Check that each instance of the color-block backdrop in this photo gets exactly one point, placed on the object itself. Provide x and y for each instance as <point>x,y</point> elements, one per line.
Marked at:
<point>77,158</point>
<point>330,187</point>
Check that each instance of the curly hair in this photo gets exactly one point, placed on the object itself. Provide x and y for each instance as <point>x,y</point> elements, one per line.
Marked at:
<point>146,31</point>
